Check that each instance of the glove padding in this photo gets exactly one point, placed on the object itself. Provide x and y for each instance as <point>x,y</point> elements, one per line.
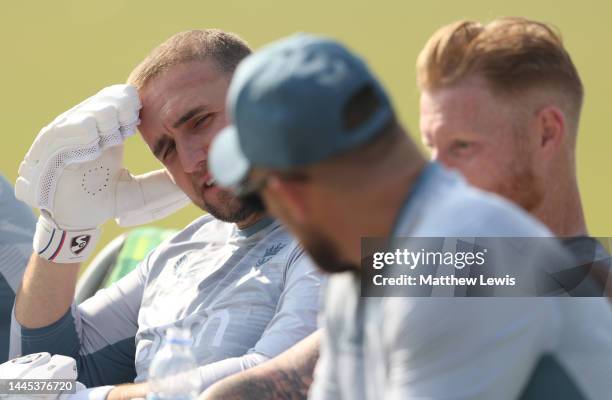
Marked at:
<point>41,366</point>
<point>74,174</point>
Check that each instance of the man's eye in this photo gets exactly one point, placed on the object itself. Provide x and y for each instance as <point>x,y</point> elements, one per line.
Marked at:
<point>461,147</point>
<point>168,151</point>
<point>201,120</point>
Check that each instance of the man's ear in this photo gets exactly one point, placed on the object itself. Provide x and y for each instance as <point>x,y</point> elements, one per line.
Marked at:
<point>290,196</point>
<point>551,129</point>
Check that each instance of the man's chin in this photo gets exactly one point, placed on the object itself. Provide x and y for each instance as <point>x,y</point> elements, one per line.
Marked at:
<point>325,255</point>
<point>525,192</point>
<point>224,206</point>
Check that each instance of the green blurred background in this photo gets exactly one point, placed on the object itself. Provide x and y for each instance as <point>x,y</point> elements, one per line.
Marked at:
<point>56,53</point>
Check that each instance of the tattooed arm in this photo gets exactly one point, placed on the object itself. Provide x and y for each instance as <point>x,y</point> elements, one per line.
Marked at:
<point>287,376</point>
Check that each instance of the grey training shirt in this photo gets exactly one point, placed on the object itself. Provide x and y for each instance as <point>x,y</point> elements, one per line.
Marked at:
<point>401,348</point>
<point>245,295</point>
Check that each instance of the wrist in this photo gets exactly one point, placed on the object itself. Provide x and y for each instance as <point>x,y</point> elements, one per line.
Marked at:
<point>63,246</point>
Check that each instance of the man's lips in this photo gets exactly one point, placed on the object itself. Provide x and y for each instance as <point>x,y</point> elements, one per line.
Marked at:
<point>207,181</point>
<point>210,182</point>
<point>204,180</point>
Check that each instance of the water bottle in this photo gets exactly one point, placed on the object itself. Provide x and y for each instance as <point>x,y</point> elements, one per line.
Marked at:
<point>173,374</point>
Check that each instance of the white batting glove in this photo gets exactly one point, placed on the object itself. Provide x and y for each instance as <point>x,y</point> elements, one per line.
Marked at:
<point>74,174</point>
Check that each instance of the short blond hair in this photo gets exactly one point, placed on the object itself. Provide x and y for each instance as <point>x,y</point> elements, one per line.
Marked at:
<point>512,55</point>
<point>225,49</point>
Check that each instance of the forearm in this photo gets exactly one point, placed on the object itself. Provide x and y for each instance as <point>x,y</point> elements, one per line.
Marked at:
<point>287,376</point>
<point>261,383</point>
<point>214,372</point>
<point>46,292</point>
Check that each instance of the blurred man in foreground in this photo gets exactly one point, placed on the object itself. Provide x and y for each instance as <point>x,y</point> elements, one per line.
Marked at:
<point>314,135</point>
<point>494,159</point>
<point>235,279</point>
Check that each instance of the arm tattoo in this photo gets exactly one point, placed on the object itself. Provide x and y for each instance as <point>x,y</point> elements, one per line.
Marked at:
<point>289,380</point>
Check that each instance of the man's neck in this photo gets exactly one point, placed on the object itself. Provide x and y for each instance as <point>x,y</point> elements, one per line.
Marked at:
<point>380,206</point>
<point>250,220</point>
<point>561,210</point>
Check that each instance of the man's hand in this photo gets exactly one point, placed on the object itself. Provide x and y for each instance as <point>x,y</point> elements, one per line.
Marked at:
<point>74,174</point>
<point>129,391</point>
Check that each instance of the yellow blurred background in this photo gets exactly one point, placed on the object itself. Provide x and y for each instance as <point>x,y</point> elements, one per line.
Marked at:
<point>56,53</point>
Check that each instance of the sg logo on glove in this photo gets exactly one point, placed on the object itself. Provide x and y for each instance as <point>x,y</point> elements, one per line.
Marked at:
<point>79,243</point>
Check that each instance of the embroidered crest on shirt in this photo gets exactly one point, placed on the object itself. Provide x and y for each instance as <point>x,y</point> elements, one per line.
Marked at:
<point>269,253</point>
<point>180,261</point>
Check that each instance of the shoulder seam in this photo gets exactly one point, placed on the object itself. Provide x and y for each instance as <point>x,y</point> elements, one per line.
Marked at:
<point>293,255</point>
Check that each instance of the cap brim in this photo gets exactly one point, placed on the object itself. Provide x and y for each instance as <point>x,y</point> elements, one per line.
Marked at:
<point>226,161</point>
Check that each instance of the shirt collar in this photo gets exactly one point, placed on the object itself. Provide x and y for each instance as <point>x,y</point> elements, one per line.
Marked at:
<point>256,227</point>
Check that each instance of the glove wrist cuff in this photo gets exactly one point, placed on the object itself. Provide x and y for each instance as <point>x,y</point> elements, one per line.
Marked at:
<point>63,246</point>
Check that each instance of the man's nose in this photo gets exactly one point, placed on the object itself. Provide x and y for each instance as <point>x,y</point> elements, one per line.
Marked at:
<point>192,154</point>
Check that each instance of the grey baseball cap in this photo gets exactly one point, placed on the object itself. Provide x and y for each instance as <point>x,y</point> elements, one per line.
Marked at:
<point>287,105</point>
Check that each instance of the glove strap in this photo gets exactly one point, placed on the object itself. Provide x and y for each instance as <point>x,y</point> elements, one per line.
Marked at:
<point>63,246</point>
